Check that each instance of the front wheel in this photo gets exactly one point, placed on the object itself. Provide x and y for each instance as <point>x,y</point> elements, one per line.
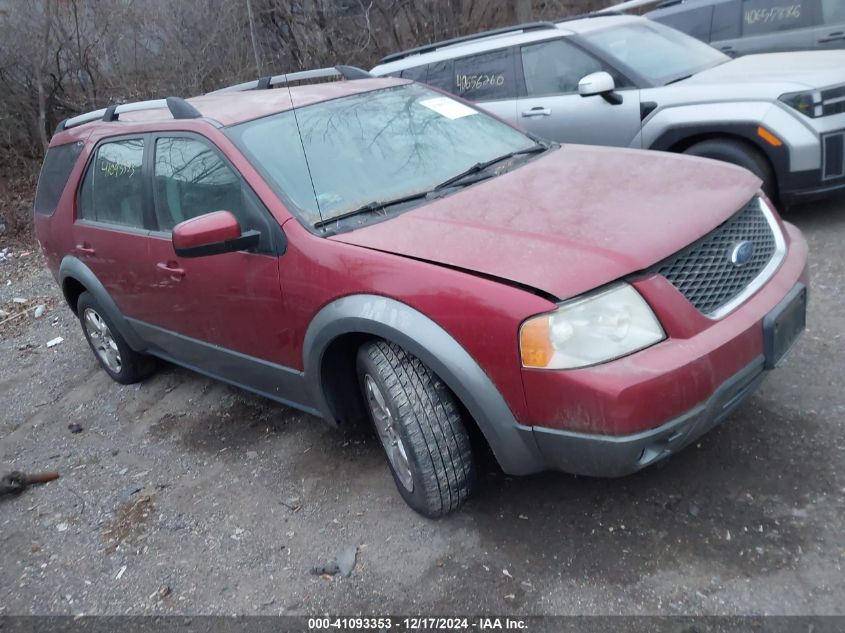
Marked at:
<point>740,154</point>
<point>420,428</point>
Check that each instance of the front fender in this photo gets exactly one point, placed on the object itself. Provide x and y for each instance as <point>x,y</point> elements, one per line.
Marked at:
<point>72,267</point>
<point>399,323</point>
<point>669,126</point>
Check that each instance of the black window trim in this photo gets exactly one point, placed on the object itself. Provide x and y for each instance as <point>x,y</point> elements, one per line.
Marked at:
<point>278,240</point>
<point>146,209</point>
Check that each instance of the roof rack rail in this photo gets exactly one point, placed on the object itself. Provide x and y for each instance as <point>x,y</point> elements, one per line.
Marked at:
<point>179,109</point>
<point>263,83</point>
<point>632,4</point>
<point>419,50</point>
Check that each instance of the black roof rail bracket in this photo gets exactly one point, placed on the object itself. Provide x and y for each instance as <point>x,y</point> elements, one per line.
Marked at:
<point>110,114</point>
<point>263,83</point>
<point>181,109</point>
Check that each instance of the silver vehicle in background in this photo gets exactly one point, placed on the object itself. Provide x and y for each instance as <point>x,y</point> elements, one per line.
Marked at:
<point>740,27</point>
<point>609,79</point>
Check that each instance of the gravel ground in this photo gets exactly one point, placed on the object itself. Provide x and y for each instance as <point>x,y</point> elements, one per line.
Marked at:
<point>182,495</point>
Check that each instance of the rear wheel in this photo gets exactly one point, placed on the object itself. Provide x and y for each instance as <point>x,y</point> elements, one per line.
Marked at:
<point>120,361</point>
<point>419,425</point>
<point>741,154</point>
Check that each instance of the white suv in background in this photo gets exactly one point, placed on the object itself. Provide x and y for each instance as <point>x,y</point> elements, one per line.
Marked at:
<point>612,79</point>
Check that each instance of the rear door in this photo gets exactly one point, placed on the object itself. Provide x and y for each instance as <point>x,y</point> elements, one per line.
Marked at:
<point>551,107</point>
<point>109,233</point>
<point>831,33</point>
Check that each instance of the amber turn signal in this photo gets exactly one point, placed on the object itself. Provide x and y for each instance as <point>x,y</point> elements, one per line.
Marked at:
<point>534,344</point>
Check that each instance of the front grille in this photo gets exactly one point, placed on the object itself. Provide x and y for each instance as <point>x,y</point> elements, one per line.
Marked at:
<point>833,151</point>
<point>706,273</point>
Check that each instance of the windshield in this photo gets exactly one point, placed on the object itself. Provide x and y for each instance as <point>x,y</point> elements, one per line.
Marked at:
<point>371,148</point>
<point>656,52</point>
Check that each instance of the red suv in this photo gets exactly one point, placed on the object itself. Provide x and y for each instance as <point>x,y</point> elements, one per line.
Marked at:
<point>374,248</point>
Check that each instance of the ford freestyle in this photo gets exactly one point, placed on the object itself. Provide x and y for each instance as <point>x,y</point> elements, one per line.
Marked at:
<point>372,248</point>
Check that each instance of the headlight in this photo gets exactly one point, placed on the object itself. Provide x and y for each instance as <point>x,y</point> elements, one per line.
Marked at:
<point>591,329</point>
<point>809,103</point>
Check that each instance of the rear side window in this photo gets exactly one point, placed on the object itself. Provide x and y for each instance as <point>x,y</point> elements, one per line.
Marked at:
<point>112,191</point>
<point>770,16</point>
<point>58,163</point>
<point>486,77</point>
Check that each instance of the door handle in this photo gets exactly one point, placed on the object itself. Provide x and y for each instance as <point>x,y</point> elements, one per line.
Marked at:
<point>833,37</point>
<point>537,111</point>
<point>172,269</point>
<point>85,249</point>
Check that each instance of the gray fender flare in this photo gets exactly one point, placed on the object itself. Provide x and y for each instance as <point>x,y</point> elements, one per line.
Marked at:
<point>512,444</point>
<point>74,268</point>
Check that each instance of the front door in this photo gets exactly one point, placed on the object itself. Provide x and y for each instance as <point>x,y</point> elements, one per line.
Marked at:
<point>219,313</point>
<point>552,108</point>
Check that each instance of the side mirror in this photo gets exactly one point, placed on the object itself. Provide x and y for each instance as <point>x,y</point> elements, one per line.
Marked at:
<point>212,234</point>
<point>600,83</point>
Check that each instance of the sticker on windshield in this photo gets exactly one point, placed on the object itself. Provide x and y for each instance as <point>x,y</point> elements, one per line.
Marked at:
<point>447,107</point>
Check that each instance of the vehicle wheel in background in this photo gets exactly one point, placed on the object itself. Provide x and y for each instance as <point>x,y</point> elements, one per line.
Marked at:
<point>120,361</point>
<point>419,424</point>
<point>741,154</point>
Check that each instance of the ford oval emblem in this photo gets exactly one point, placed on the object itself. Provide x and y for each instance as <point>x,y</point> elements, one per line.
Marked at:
<point>741,253</point>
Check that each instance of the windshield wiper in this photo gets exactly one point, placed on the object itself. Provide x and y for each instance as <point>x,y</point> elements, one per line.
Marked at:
<point>372,207</point>
<point>479,167</point>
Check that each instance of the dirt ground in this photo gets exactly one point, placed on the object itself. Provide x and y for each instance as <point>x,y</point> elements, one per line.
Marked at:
<point>182,495</point>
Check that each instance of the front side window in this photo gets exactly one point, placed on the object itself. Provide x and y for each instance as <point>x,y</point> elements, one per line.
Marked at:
<point>656,52</point>
<point>760,17</point>
<point>485,77</point>
<point>370,148</point>
<point>833,12</point>
<point>556,67</point>
<point>112,191</point>
<point>191,178</point>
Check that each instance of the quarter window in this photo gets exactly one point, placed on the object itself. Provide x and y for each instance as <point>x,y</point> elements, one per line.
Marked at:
<point>555,67</point>
<point>112,191</point>
<point>440,75</point>
<point>485,77</point>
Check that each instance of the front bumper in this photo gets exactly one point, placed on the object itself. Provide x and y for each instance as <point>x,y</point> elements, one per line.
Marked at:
<point>807,186</point>
<point>616,418</point>
<point>615,456</point>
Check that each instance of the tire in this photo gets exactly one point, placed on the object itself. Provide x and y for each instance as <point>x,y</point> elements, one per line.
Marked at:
<point>741,154</point>
<point>119,361</point>
<point>437,473</point>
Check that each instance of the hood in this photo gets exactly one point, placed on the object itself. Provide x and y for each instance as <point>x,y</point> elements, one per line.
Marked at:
<point>571,220</point>
<point>806,69</point>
